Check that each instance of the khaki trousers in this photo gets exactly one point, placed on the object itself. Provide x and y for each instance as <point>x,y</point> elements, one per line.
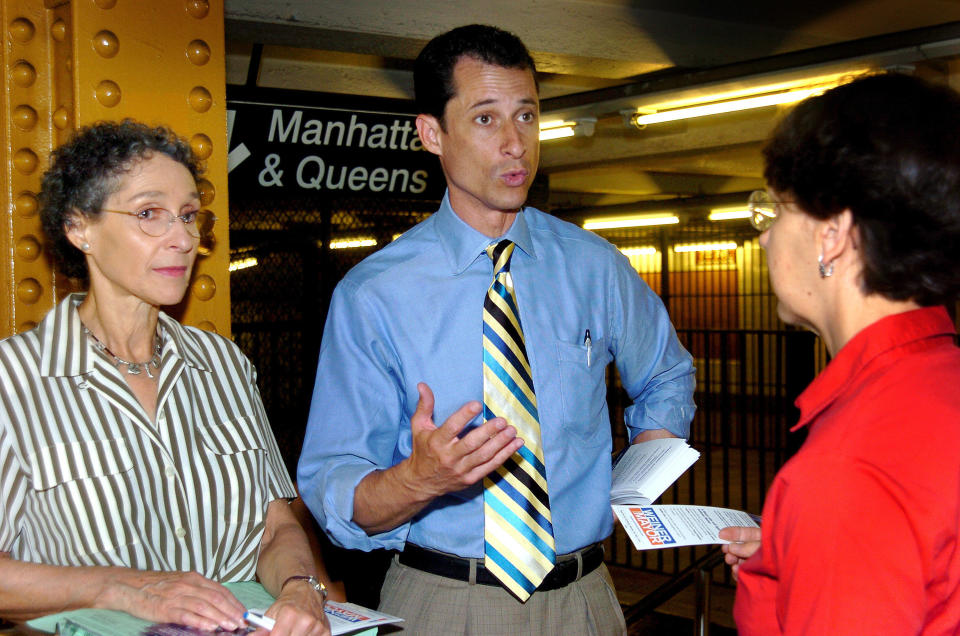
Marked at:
<point>431,604</point>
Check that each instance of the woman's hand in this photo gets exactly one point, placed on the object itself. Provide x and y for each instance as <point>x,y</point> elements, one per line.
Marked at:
<point>298,611</point>
<point>284,553</point>
<point>746,541</point>
<point>186,598</point>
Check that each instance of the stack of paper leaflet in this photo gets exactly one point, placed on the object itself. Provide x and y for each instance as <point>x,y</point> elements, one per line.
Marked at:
<point>345,618</point>
<point>642,473</point>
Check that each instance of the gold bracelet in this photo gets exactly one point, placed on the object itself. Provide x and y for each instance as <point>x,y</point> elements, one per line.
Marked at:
<point>312,580</point>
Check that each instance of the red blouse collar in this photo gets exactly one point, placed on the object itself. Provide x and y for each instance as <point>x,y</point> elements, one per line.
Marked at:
<point>883,336</point>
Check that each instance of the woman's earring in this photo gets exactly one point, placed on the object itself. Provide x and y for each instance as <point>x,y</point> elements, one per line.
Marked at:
<point>86,248</point>
<point>826,271</point>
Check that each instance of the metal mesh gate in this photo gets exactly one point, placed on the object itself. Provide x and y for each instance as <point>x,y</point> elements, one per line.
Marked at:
<point>280,303</point>
<point>750,366</point>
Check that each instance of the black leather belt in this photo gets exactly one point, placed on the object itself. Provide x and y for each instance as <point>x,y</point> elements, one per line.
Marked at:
<point>454,567</point>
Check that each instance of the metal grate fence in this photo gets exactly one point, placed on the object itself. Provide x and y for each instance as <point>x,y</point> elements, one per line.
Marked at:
<point>750,366</point>
<point>280,304</point>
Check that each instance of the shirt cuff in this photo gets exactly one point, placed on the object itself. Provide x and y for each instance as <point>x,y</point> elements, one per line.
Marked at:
<point>337,512</point>
<point>670,417</point>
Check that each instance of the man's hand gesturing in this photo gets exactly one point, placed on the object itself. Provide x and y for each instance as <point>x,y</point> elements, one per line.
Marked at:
<point>441,461</point>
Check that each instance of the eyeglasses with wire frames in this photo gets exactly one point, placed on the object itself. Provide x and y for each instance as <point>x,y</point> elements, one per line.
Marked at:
<point>763,210</point>
<point>157,222</point>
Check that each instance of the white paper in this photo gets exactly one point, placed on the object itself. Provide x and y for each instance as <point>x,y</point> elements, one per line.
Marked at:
<point>654,527</point>
<point>349,617</point>
<point>647,469</point>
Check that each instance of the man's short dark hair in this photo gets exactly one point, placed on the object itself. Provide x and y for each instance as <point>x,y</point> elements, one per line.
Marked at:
<point>85,171</point>
<point>886,147</point>
<point>433,70</point>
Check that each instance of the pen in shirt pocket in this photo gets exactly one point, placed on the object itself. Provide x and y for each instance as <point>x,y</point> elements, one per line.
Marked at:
<point>588,343</point>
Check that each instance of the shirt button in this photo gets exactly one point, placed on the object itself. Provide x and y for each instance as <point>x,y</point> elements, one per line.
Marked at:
<point>180,532</point>
<point>82,386</point>
<point>170,471</point>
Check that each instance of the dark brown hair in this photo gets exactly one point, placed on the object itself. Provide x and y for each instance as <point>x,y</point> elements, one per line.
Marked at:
<point>886,147</point>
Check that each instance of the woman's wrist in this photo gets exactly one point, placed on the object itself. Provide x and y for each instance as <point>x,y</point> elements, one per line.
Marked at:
<point>307,580</point>
<point>115,586</point>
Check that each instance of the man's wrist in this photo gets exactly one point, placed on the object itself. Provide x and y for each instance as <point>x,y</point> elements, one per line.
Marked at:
<point>651,434</point>
<point>406,481</point>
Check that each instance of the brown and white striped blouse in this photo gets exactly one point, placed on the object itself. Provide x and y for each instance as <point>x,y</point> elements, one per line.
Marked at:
<point>87,479</point>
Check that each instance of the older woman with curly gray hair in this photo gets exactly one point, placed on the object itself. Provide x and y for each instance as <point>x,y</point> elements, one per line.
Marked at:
<point>139,470</point>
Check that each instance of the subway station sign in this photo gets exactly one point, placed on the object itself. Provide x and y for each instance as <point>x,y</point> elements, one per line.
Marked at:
<point>289,150</point>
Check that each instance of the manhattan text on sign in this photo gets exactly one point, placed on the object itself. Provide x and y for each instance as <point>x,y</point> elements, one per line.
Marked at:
<point>278,149</point>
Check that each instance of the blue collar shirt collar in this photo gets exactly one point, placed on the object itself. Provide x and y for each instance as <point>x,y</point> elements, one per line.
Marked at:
<point>462,244</point>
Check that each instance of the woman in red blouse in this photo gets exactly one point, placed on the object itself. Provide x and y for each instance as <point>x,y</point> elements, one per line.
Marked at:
<point>861,226</point>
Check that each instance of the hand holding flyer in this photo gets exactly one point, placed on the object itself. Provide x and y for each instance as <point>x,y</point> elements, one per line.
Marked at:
<point>642,473</point>
<point>653,527</point>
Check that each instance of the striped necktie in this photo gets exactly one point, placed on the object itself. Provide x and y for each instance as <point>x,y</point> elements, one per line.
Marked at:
<point>518,533</point>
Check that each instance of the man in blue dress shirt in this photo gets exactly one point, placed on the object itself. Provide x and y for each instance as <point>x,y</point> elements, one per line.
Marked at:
<point>396,446</point>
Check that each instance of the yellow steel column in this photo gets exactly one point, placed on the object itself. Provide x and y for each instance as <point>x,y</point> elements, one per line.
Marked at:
<point>28,282</point>
<point>75,62</point>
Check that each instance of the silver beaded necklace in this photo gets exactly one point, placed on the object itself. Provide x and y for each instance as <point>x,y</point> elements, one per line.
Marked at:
<point>133,368</point>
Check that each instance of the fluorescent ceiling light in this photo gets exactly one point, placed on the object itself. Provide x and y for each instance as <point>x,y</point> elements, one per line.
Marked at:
<point>242,263</point>
<point>556,133</point>
<point>638,251</point>
<point>582,127</point>
<point>629,221</point>
<point>705,247</point>
<point>728,214</point>
<point>741,98</point>
<point>342,244</point>
<point>716,108</point>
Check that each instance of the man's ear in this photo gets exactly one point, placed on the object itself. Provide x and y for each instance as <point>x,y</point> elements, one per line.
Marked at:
<point>428,127</point>
<point>75,227</point>
<point>837,235</point>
